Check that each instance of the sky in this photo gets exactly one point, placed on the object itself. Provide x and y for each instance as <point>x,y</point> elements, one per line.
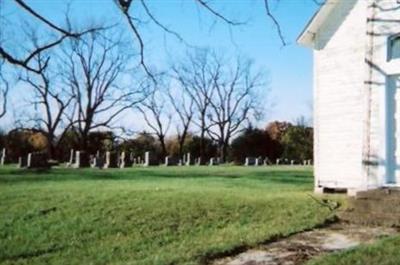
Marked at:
<point>288,69</point>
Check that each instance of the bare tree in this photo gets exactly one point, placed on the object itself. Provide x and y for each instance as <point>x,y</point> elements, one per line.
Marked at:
<point>125,6</point>
<point>156,113</point>
<point>4,89</point>
<point>4,83</point>
<point>196,75</point>
<point>53,100</point>
<point>95,66</point>
<point>183,105</point>
<point>62,34</point>
<point>235,101</point>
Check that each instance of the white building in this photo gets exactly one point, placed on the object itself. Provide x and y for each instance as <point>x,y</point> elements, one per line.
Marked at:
<point>356,47</point>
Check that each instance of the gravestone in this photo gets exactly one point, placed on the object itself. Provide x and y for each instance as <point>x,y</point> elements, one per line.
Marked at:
<point>92,160</point>
<point>292,162</point>
<point>188,161</point>
<point>146,159</point>
<point>250,161</point>
<point>197,161</point>
<point>111,160</point>
<point>22,162</point>
<point>128,161</point>
<point>266,161</point>
<point>36,160</point>
<point>171,161</point>
<point>149,160</point>
<point>3,156</point>
<point>124,160</point>
<point>258,161</point>
<point>213,161</point>
<point>77,161</point>
<point>71,160</point>
<point>121,160</point>
<point>132,161</point>
<point>278,161</point>
<point>98,161</point>
<point>82,160</point>
<point>29,160</point>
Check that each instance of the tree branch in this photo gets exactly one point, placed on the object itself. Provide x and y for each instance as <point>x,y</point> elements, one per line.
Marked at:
<point>275,21</point>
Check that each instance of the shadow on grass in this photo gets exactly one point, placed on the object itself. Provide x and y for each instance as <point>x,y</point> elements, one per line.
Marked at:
<point>34,254</point>
<point>274,175</point>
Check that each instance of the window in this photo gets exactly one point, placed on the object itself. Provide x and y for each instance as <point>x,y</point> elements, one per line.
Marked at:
<point>394,47</point>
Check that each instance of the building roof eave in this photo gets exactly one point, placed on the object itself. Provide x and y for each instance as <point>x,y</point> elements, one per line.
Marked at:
<point>307,37</point>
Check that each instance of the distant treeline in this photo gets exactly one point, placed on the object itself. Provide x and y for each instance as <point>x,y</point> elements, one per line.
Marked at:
<point>277,140</point>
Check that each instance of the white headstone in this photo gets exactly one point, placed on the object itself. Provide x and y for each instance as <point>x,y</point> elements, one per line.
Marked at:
<point>29,160</point>
<point>93,161</point>
<point>3,157</point>
<point>146,159</point>
<point>122,160</point>
<point>251,161</point>
<point>107,162</point>
<point>22,162</point>
<point>77,163</point>
<point>188,159</point>
<point>71,156</point>
<point>214,161</point>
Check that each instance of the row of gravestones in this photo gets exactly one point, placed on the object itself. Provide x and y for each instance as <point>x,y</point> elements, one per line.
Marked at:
<point>80,159</point>
<point>187,161</point>
<point>34,160</point>
<point>258,161</point>
<point>307,162</point>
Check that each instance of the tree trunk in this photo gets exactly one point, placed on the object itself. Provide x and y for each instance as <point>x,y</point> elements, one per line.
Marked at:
<point>163,147</point>
<point>50,147</point>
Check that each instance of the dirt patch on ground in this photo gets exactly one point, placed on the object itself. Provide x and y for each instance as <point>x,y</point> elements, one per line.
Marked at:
<point>299,248</point>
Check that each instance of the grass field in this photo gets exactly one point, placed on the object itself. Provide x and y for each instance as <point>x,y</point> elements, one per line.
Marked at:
<point>149,216</point>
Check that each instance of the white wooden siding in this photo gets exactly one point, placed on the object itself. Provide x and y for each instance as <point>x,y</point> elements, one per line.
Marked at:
<point>339,82</point>
<point>384,21</point>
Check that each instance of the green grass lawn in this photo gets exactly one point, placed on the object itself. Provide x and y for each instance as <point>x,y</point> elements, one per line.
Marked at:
<point>149,216</point>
